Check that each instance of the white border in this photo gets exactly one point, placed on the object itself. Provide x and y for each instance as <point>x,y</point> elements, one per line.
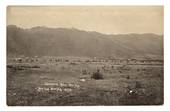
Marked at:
<point>4,3</point>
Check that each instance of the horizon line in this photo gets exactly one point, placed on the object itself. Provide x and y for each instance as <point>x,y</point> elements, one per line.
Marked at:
<point>73,28</point>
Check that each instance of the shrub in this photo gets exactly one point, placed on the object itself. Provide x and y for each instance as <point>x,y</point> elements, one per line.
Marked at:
<point>84,72</point>
<point>73,63</point>
<point>127,77</point>
<point>97,75</point>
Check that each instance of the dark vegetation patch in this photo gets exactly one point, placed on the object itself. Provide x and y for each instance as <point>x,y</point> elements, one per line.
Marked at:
<point>97,75</point>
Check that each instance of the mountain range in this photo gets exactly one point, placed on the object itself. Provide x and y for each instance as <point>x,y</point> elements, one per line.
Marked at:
<point>44,41</point>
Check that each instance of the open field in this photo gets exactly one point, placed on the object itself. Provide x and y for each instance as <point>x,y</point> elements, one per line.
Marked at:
<point>85,55</point>
<point>68,81</point>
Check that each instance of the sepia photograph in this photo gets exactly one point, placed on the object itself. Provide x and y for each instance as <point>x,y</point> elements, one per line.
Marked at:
<point>84,55</point>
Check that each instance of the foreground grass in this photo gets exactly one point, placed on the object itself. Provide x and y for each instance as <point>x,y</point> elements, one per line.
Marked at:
<point>135,85</point>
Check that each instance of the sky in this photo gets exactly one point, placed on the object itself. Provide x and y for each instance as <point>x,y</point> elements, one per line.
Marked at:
<point>103,19</point>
